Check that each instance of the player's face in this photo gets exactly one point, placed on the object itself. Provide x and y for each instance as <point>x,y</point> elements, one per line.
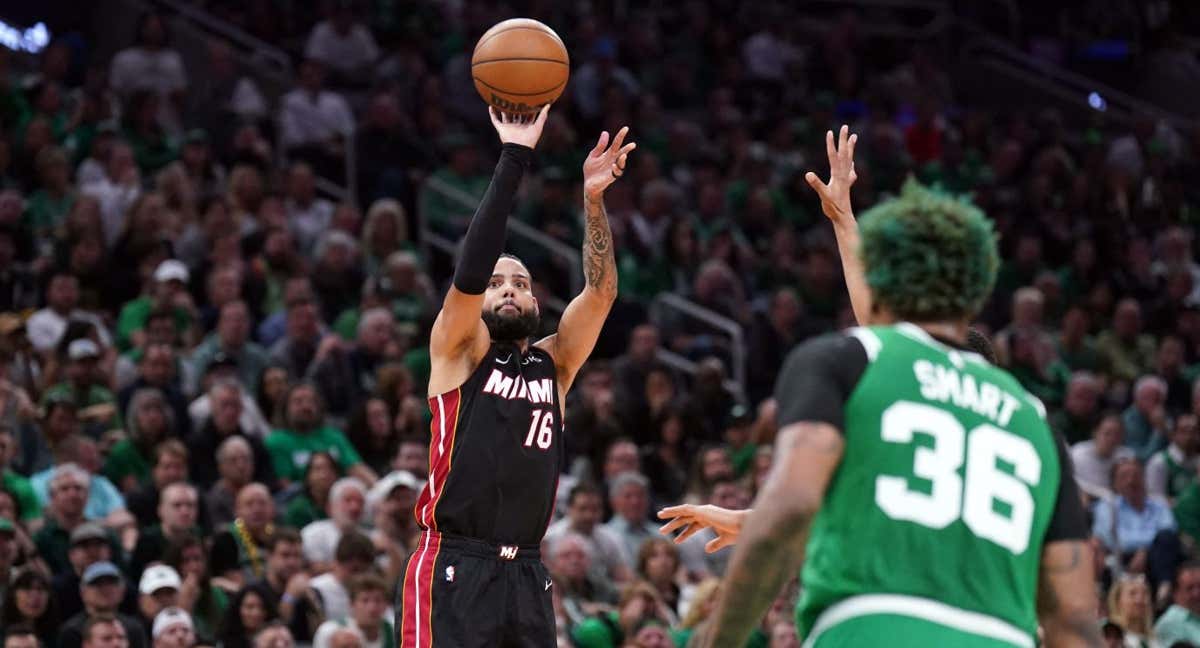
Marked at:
<point>509,307</point>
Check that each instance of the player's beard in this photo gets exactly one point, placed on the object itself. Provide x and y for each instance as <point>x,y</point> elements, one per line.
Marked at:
<point>511,328</point>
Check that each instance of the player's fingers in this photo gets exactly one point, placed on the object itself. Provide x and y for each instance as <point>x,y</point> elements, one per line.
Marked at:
<point>601,143</point>
<point>675,511</point>
<point>628,148</point>
<point>717,544</point>
<point>496,115</point>
<point>540,120</point>
<point>849,152</point>
<point>690,531</point>
<point>829,149</point>
<point>815,182</point>
<point>620,164</point>
<point>620,138</point>
<point>843,135</point>
<point>670,527</point>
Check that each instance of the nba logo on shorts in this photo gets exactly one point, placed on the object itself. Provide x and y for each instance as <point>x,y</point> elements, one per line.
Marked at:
<point>450,574</point>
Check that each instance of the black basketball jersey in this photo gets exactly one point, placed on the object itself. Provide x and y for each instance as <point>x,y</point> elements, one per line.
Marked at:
<point>496,450</point>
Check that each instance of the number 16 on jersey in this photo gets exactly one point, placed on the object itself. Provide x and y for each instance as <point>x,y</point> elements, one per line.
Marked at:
<point>541,427</point>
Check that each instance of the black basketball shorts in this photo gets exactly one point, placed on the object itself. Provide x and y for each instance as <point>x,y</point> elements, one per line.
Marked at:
<point>461,592</point>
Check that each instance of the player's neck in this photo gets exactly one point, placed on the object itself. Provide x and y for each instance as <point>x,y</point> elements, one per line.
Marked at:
<point>951,331</point>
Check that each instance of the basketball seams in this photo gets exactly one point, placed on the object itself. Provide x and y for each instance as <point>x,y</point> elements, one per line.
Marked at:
<point>542,30</point>
<point>518,94</point>
<point>521,58</point>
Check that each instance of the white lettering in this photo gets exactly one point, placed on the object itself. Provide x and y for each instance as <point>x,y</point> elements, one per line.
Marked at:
<point>539,391</point>
<point>923,369</point>
<point>498,383</point>
<point>945,384</point>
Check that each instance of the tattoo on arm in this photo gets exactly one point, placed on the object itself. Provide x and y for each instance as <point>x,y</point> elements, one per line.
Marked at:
<point>766,559</point>
<point>599,261</point>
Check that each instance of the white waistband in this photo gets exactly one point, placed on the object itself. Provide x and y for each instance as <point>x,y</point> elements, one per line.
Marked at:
<point>919,608</point>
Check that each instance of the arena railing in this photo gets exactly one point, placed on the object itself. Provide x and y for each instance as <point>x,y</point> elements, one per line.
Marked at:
<point>1071,88</point>
<point>688,308</point>
<point>281,64</point>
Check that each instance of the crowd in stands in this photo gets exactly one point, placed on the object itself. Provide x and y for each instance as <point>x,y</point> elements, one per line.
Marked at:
<point>213,425</point>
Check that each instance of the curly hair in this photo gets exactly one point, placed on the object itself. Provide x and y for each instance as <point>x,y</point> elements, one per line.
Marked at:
<point>928,256</point>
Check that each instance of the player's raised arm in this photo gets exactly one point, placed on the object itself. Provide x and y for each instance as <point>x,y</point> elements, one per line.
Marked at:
<point>459,333</point>
<point>835,202</point>
<point>584,317</point>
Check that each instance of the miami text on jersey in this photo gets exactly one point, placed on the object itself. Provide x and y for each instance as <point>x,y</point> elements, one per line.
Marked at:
<point>510,387</point>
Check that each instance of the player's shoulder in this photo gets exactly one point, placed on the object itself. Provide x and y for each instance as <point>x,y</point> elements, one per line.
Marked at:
<point>844,345</point>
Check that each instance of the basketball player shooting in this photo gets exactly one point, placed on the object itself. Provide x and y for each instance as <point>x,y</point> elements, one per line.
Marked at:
<point>476,577</point>
<point>882,555</point>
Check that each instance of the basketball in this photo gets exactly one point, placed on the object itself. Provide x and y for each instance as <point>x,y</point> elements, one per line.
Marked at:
<point>519,65</point>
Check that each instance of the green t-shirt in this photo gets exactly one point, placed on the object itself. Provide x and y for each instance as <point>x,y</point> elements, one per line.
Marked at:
<point>290,451</point>
<point>21,489</point>
<point>742,458</point>
<point>95,395</point>
<point>125,459</point>
<point>44,213</point>
<point>302,511</point>
<point>947,460</point>
<point>133,318</point>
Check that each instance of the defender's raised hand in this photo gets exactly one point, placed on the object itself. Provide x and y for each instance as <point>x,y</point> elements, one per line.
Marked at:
<point>605,163</point>
<point>691,518</point>
<point>525,130</point>
<point>835,195</point>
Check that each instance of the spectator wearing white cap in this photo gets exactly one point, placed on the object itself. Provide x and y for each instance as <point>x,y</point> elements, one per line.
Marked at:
<point>346,508</point>
<point>167,291</point>
<point>46,326</point>
<point>158,590</point>
<point>390,506</point>
<point>173,628</point>
<point>83,387</point>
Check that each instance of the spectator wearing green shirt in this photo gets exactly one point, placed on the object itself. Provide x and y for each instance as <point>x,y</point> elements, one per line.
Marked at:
<point>309,505</point>
<point>169,292</point>
<point>737,435</point>
<point>97,406</point>
<point>1128,351</point>
<point>462,175</point>
<point>47,208</point>
<point>150,422</point>
<point>17,485</point>
<point>304,433</point>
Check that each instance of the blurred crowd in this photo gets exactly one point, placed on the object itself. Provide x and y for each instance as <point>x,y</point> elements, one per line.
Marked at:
<point>213,373</point>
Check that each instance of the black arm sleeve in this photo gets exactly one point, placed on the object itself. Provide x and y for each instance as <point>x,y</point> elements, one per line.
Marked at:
<point>485,237</point>
<point>1068,521</point>
<point>817,379</point>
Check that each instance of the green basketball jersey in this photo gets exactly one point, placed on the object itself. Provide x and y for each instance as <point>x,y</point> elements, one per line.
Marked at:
<point>940,507</point>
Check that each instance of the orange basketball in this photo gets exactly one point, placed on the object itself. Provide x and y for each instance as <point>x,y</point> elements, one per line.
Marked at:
<point>519,65</point>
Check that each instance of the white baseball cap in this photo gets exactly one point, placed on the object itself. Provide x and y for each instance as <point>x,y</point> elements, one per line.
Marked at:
<point>171,270</point>
<point>157,577</point>
<point>82,348</point>
<point>169,618</point>
<point>391,482</point>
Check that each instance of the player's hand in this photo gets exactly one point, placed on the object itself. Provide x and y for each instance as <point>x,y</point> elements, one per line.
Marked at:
<point>691,518</point>
<point>525,130</point>
<point>835,195</point>
<point>605,163</point>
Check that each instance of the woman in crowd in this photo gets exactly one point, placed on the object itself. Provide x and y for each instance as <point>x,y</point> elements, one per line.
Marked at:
<point>373,435</point>
<point>309,504</point>
<point>28,601</point>
<point>250,610</point>
<point>1129,606</point>
<point>658,564</point>
<point>272,385</point>
<point>205,601</point>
